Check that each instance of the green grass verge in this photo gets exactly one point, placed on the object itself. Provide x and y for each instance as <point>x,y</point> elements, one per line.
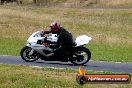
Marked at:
<point>108,52</point>
<point>11,46</point>
<point>13,76</point>
<point>110,29</point>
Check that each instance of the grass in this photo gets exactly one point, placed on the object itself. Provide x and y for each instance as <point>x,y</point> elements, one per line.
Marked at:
<point>103,52</point>
<point>83,3</point>
<point>110,29</point>
<point>115,2</point>
<point>78,3</point>
<point>13,76</point>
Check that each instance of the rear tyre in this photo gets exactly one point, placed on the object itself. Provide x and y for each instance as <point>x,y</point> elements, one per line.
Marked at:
<point>81,56</point>
<point>25,54</point>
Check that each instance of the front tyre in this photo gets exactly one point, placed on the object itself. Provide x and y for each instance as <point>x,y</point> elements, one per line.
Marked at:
<point>81,56</point>
<point>25,54</point>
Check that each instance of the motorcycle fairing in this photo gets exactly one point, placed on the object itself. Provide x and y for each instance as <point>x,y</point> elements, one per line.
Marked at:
<point>82,40</point>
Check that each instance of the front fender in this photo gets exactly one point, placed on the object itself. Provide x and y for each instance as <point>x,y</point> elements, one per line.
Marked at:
<point>31,44</point>
<point>28,44</point>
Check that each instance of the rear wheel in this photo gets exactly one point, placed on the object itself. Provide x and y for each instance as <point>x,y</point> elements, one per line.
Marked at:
<point>25,54</point>
<point>81,56</point>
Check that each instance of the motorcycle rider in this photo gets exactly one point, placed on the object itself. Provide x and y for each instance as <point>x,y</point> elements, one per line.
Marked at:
<point>65,39</point>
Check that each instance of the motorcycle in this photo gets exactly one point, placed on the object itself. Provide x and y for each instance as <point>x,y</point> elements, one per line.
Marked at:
<point>38,47</point>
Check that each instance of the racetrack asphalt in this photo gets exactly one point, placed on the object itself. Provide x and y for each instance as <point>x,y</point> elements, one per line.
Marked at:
<point>91,65</point>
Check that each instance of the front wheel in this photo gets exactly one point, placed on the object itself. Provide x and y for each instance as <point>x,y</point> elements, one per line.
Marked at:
<point>81,56</point>
<point>28,54</point>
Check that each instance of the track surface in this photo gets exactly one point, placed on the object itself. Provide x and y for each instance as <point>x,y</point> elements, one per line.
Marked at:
<point>91,65</point>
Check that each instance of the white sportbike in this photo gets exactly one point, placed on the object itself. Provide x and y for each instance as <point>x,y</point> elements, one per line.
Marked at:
<point>38,48</point>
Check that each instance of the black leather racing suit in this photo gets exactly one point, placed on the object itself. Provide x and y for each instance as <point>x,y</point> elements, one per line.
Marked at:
<point>65,40</point>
